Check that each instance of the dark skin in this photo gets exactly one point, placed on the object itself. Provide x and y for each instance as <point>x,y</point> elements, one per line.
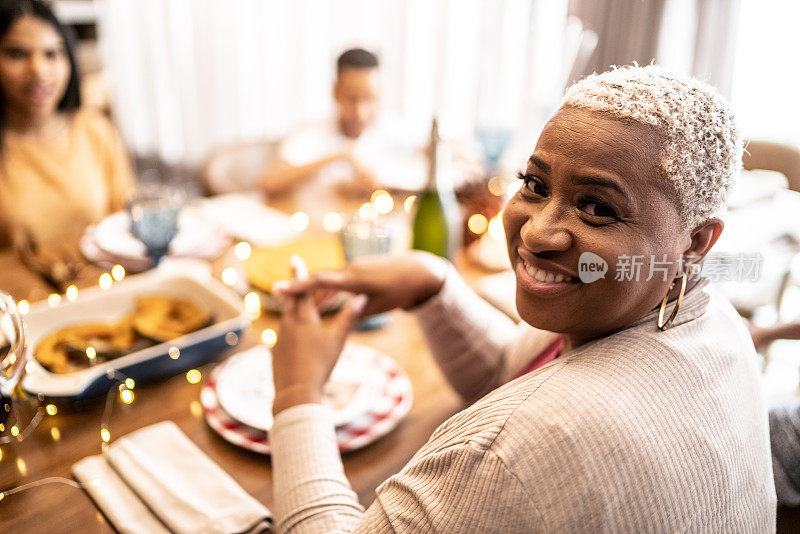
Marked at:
<point>593,184</point>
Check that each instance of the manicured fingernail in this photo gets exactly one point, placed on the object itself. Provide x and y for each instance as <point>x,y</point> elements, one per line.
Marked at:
<point>359,301</point>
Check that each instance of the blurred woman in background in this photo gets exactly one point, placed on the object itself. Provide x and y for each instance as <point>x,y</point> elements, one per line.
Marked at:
<point>62,167</point>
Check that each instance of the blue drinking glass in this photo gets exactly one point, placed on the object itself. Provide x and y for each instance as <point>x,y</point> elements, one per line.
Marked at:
<point>154,210</point>
<point>494,142</point>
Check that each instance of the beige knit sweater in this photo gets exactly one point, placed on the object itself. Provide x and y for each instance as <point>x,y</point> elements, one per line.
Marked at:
<point>640,431</point>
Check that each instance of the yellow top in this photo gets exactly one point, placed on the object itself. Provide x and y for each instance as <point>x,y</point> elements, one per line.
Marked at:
<point>50,190</point>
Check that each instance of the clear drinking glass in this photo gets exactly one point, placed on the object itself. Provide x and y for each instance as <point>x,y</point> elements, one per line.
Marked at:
<point>366,238</point>
<point>13,341</point>
<point>154,210</point>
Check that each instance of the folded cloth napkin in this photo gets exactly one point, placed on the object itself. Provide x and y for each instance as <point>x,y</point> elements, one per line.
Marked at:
<point>155,480</point>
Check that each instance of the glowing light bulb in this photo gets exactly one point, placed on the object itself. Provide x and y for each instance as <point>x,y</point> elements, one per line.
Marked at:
<point>384,203</point>
<point>230,276</point>
<point>105,435</point>
<point>118,272</point>
<point>299,221</point>
<point>51,409</point>
<point>408,204</point>
<point>477,223</point>
<point>23,307</point>
<point>242,250</point>
<point>126,396</point>
<point>269,337</point>
<point>129,383</point>
<point>332,222</point>
<point>14,431</point>
<point>105,281</point>
<point>54,300</point>
<point>496,227</point>
<point>497,186</point>
<point>91,353</point>
<point>375,194</point>
<point>72,293</point>
<point>193,376</point>
<point>174,353</point>
<point>252,303</point>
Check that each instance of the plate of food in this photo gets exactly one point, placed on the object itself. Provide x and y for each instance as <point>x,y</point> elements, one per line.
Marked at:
<point>267,265</point>
<point>389,400</point>
<point>147,326</point>
<point>245,386</point>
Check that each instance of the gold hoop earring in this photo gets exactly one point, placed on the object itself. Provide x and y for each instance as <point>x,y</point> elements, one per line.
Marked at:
<point>662,325</point>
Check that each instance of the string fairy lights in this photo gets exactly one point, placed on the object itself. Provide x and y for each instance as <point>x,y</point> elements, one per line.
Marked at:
<point>124,387</point>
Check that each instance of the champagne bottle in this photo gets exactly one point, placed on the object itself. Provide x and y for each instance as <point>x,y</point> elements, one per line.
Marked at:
<point>436,220</point>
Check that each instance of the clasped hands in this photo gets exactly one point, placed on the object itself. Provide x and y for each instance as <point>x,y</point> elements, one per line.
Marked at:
<point>307,348</point>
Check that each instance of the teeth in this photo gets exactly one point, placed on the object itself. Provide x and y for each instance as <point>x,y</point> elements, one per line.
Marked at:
<point>545,276</point>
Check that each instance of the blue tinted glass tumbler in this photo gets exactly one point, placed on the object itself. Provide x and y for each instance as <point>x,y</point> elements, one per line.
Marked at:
<point>154,210</point>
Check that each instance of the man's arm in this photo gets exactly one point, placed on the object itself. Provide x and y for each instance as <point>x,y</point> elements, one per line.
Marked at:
<point>282,177</point>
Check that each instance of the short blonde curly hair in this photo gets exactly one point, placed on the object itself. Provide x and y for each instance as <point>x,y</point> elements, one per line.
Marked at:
<point>702,153</point>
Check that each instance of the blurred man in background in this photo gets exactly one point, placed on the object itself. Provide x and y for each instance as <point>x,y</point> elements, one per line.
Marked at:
<point>352,151</point>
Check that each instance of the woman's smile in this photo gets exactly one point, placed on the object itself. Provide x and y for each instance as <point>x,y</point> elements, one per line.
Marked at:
<point>543,278</point>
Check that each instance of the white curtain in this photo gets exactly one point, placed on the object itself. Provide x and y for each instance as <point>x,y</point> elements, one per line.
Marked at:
<point>188,75</point>
<point>694,36</point>
<point>700,37</point>
<point>765,74</point>
<point>627,30</point>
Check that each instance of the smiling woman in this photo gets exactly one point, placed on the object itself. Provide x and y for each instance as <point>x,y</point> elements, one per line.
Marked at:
<point>63,167</point>
<point>628,403</point>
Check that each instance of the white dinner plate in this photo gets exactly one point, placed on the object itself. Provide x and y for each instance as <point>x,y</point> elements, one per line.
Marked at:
<point>246,391</point>
<point>113,235</point>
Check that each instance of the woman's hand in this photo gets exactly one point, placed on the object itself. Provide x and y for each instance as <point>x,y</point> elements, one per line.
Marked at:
<point>388,281</point>
<point>306,350</point>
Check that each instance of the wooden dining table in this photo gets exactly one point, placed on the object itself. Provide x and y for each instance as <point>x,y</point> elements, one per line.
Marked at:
<point>73,432</point>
